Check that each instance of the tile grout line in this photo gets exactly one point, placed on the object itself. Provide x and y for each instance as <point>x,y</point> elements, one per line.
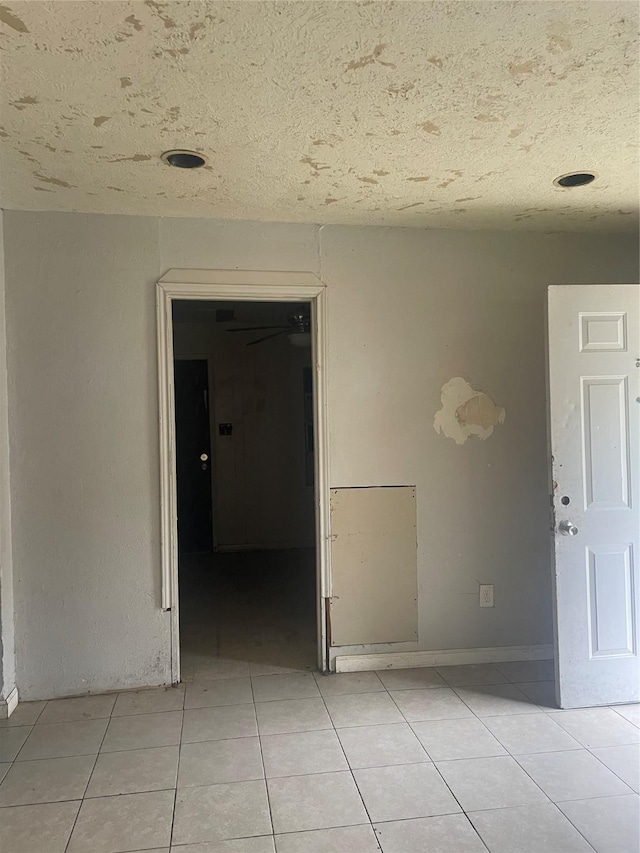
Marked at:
<point>625,705</point>
<point>336,731</point>
<point>264,769</point>
<point>558,809</point>
<point>438,769</point>
<point>462,810</point>
<point>433,764</point>
<point>509,754</point>
<point>355,781</point>
<point>617,775</point>
<point>577,829</point>
<point>82,799</point>
<point>175,792</point>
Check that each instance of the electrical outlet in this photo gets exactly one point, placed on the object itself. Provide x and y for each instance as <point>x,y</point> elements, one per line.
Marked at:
<point>486,595</point>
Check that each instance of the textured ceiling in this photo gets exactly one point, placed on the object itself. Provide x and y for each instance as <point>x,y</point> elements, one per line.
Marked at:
<point>432,114</point>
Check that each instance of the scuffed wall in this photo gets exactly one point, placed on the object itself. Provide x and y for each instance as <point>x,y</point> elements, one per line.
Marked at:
<point>83,421</point>
<point>408,309</point>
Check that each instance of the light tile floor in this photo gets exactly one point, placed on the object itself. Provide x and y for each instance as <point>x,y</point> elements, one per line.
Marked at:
<point>450,760</point>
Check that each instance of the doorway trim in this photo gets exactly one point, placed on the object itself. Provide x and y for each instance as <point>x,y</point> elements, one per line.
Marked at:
<point>249,286</point>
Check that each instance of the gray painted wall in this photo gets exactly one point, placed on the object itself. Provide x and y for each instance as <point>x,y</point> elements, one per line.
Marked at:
<point>83,411</point>
<point>408,310</point>
<point>7,657</point>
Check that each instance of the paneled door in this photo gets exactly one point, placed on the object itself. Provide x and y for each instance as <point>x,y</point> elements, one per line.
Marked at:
<point>594,394</point>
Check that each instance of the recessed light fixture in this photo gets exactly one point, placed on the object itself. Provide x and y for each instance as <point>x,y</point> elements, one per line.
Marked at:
<point>574,179</point>
<point>183,159</point>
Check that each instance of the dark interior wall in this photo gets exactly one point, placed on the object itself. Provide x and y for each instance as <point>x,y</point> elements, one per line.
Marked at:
<point>263,496</point>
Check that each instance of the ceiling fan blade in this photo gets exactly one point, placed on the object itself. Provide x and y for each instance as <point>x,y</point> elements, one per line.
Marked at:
<point>256,328</point>
<point>266,337</point>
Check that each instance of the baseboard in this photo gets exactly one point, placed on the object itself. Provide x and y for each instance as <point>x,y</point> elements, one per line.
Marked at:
<point>442,657</point>
<point>8,705</point>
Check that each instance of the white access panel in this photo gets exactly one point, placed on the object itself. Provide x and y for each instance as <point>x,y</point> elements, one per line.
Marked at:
<point>373,566</point>
<point>594,385</point>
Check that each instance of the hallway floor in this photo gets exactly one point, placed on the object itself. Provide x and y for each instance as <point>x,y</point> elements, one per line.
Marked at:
<point>450,760</point>
<point>247,613</point>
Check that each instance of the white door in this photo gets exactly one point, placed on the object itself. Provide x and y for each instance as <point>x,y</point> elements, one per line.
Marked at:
<point>594,385</point>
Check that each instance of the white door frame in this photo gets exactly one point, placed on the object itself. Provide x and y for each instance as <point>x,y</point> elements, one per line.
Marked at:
<point>249,286</point>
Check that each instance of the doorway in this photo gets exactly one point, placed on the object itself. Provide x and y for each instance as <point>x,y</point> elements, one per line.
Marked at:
<point>244,568</point>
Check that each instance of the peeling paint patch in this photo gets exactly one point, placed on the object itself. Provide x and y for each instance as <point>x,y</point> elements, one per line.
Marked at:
<point>430,127</point>
<point>466,412</point>
<point>419,179</point>
<point>194,28</point>
<point>488,175</point>
<point>315,165</point>
<point>100,120</point>
<point>28,155</point>
<point>516,131</point>
<point>558,43</point>
<point>402,90</point>
<point>368,180</point>
<point>456,174</point>
<point>330,200</point>
<point>137,158</point>
<point>435,60</point>
<point>124,82</point>
<point>369,59</point>
<point>518,68</point>
<point>486,118</point>
<point>56,181</point>
<point>380,173</point>
<point>7,17</point>
<point>169,23</point>
<point>171,52</point>
<point>135,23</point>
<point>23,103</point>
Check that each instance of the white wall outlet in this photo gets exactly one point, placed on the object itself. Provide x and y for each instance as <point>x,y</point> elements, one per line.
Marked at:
<point>486,595</point>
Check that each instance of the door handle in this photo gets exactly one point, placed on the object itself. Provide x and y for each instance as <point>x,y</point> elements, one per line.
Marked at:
<point>567,528</point>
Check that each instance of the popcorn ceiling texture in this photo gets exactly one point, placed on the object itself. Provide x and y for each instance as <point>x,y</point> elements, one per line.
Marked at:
<point>424,114</point>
